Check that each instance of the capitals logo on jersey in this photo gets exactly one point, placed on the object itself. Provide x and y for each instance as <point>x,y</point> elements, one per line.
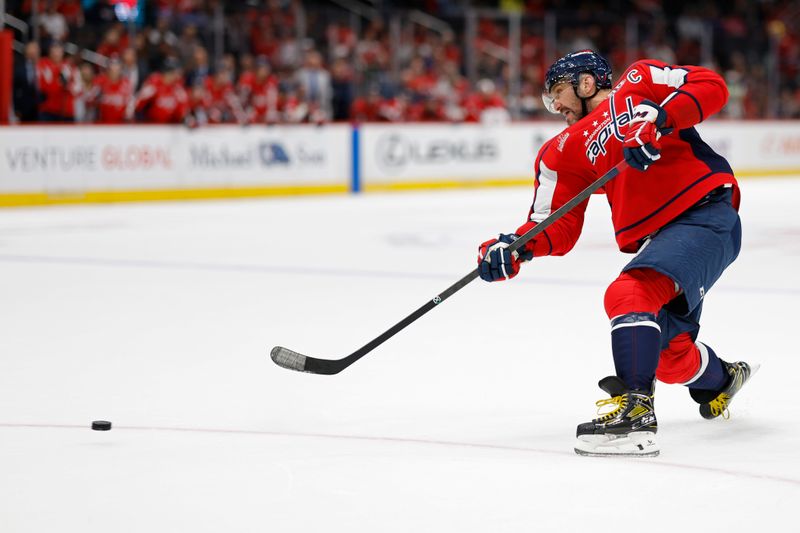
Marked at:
<point>596,142</point>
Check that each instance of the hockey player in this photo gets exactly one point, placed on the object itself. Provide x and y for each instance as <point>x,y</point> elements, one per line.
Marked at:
<point>162,99</point>
<point>258,91</point>
<point>224,104</point>
<point>59,84</point>
<point>112,95</point>
<point>675,207</point>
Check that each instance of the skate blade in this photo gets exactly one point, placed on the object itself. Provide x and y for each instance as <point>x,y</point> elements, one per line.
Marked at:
<point>637,444</point>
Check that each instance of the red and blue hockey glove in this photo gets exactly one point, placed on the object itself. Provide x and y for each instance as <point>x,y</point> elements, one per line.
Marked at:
<point>641,146</point>
<point>496,262</point>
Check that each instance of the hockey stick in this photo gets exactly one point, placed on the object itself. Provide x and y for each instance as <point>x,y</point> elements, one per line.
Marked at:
<point>303,363</point>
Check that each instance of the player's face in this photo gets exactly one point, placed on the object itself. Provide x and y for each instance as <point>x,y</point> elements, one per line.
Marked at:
<point>169,77</point>
<point>565,101</point>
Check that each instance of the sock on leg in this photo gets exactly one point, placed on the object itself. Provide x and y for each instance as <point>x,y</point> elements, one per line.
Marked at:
<point>711,377</point>
<point>636,343</point>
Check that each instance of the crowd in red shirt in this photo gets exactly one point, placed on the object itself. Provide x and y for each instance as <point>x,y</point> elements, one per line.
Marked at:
<point>270,73</point>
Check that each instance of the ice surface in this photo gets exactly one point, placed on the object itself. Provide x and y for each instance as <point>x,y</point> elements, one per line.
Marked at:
<point>160,318</point>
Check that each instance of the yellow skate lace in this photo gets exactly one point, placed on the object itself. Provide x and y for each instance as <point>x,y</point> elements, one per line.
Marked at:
<point>719,406</point>
<point>619,402</point>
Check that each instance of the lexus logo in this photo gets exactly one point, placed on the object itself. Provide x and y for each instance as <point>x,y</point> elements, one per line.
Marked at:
<point>395,151</point>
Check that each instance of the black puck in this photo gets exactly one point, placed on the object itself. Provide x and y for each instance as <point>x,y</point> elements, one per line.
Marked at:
<point>101,425</point>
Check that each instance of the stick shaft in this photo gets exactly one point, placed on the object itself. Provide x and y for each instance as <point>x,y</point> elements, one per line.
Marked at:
<point>567,207</point>
<point>327,366</point>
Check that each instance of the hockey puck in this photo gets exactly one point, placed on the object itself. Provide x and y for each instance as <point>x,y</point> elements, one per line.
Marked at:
<point>101,425</point>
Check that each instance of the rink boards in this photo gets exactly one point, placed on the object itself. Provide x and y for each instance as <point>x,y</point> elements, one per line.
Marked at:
<point>75,164</point>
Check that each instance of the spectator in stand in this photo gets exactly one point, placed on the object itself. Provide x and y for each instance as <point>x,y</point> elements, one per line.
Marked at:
<point>342,40</point>
<point>164,8</point>
<point>290,51</point>
<point>371,55</point>
<point>427,109</point>
<point>26,84</point>
<point>451,49</point>
<point>263,41</point>
<point>59,83</point>
<point>114,41</point>
<point>134,69</point>
<point>736,80</point>
<point>228,62</point>
<point>199,102</point>
<point>224,105</point>
<point>789,104</point>
<point>200,68</point>
<point>418,79</point>
<point>73,13</point>
<point>84,111</point>
<point>452,89</point>
<point>162,37</point>
<point>487,99</point>
<point>368,108</point>
<point>657,46</point>
<point>315,84</point>
<point>748,38</point>
<point>247,64</point>
<point>292,106</point>
<point>531,105</point>
<point>194,13</point>
<point>162,99</point>
<point>258,92</point>
<point>394,109</point>
<point>342,89</point>
<point>451,82</point>
<point>54,23</point>
<point>787,41</point>
<point>112,95</point>
<point>187,44</point>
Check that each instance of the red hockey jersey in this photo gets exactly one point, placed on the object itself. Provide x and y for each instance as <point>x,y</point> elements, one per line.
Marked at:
<point>112,99</point>
<point>259,97</point>
<point>641,202</point>
<point>162,103</point>
<point>59,83</point>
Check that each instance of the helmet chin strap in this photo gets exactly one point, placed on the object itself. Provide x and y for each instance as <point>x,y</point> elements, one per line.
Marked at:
<point>584,99</point>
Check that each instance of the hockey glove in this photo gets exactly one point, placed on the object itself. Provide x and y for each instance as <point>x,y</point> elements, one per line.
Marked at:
<point>641,146</point>
<point>496,262</point>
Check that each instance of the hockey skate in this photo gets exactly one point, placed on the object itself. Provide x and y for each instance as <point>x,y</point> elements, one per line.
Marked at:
<point>627,430</point>
<point>739,372</point>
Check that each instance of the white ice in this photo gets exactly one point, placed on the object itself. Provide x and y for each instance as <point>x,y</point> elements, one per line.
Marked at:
<point>160,317</point>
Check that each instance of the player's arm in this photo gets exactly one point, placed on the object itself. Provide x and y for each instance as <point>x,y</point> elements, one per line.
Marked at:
<point>146,94</point>
<point>94,94</point>
<point>682,96</point>
<point>687,94</point>
<point>182,115</point>
<point>235,104</point>
<point>553,188</point>
<point>46,80</point>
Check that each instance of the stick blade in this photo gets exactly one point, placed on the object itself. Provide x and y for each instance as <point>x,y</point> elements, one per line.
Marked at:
<point>288,359</point>
<point>292,360</point>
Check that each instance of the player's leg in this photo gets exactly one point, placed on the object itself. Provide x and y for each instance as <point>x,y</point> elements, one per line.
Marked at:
<point>712,382</point>
<point>690,363</point>
<point>676,266</point>
<point>632,302</point>
<point>694,251</point>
